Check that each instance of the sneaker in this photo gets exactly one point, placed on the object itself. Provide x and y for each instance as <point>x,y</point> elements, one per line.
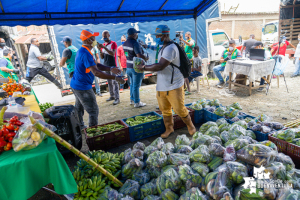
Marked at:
<point>220,83</point>
<point>260,89</point>
<point>131,102</point>
<point>110,99</point>
<point>121,90</point>
<point>117,101</point>
<point>99,94</point>
<point>138,105</point>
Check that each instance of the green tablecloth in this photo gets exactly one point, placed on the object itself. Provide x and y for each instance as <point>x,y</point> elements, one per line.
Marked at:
<point>24,173</point>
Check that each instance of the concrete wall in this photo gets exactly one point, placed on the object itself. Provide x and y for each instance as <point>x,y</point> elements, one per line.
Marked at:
<point>244,24</point>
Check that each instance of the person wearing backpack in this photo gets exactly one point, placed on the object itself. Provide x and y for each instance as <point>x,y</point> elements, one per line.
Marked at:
<point>172,67</point>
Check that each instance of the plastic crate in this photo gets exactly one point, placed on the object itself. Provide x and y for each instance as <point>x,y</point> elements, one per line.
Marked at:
<point>281,144</point>
<point>261,136</point>
<point>198,115</point>
<point>178,123</point>
<point>244,116</point>
<point>294,152</point>
<point>108,140</point>
<point>145,130</point>
<point>209,116</point>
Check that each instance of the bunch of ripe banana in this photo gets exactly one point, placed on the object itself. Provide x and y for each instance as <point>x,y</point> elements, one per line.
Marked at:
<point>90,181</point>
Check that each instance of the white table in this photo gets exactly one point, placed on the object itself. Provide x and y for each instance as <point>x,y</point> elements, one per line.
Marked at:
<point>253,69</point>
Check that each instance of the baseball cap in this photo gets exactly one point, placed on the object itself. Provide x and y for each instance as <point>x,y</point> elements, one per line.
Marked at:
<point>66,39</point>
<point>132,31</point>
<point>85,34</point>
<point>162,30</point>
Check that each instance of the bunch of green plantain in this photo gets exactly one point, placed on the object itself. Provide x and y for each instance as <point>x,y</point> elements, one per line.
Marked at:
<point>169,195</point>
<point>141,120</point>
<point>100,130</point>
<point>90,181</point>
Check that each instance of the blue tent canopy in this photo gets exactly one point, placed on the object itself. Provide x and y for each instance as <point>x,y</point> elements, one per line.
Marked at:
<point>63,12</point>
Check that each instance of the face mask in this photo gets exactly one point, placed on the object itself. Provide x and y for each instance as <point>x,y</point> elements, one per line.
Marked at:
<point>105,39</point>
<point>2,44</point>
<point>187,38</point>
<point>283,41</point>
<point>231,48</point>
<point>158,41</point>
<point>123,42</point>
<point>94,43</point>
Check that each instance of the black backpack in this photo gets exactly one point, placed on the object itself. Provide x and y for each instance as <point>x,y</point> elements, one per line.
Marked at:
<point>185,63</point>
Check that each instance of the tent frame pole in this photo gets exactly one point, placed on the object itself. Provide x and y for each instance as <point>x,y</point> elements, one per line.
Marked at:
<point>196,37</point>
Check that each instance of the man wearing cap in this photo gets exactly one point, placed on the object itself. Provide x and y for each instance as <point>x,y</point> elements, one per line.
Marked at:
<point>6,67</point>
<point>34,65</point>
<point>133,49</point>
<point>170,81</point>
<point>85,71</point>
<point>108,54</point>
<point>228,54</point>
<point>248,44</point>
<point>68,56</point>
<point>122,61</point>
<point>189,44</point>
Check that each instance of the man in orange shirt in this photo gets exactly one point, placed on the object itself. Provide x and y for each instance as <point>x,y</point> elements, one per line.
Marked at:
<point>84,74</point>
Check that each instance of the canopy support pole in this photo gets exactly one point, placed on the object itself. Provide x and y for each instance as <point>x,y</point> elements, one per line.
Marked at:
<point>121,5</point>
<point>1,7</point>
<point>67,5</point>
<point>196,37</point>
<point>163,4</point>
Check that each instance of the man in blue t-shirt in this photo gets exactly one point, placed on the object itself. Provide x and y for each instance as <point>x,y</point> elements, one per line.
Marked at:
<point>84,73</point>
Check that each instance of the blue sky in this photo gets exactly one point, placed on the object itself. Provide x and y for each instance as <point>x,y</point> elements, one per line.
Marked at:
<point>251,5</point>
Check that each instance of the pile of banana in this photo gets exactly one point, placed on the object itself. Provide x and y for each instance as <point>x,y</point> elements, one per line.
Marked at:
<point>90,181</point>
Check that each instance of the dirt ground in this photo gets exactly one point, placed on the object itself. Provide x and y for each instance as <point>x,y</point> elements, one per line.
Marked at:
<point>279,104</point>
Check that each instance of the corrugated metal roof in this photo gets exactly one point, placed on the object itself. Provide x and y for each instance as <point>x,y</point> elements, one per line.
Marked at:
<point>25,39</point>
<point>250,13</point>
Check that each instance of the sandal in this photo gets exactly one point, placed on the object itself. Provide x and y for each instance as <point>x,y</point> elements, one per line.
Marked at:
<point>187,93</point>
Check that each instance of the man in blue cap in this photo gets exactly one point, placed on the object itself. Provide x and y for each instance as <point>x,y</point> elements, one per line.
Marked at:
<point>170,81</point>
<point>133,49</point>
<point>68,57</point>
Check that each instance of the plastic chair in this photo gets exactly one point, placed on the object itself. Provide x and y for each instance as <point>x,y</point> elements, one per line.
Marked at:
<point>205,72</point>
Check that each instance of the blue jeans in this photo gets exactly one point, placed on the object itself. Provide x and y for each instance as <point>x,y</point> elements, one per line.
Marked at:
<point>97,86</point>
<point>217,70</point>
<point>193,75</point>
<point>67,77</point>
<point>135,83</point>
<point>124,73</point>
<point>297,66</point>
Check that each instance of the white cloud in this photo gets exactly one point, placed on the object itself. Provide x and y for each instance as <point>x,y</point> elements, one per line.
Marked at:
<point>251,5</point>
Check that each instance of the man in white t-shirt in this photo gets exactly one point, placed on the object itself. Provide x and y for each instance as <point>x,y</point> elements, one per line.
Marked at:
<point>170,81</point>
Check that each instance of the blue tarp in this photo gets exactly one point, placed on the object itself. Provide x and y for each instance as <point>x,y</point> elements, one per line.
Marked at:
<point>53,12</point>
<point>146,28</point>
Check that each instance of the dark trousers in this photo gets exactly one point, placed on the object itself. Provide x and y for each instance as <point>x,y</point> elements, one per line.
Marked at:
<point>262,81</point>
<point>86,100</point>
<point>32,72</point>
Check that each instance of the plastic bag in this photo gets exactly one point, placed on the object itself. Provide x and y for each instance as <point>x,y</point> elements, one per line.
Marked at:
<point>137,61</point>
<point>193,194</point>
<point>168,148</point>
<point>236,106</point>
<point>158,143</point>
<point>157,159</point>
<point>256,154</point>
<point>286,160</point>
<point>242,123</point>
<point>184,149</point>
<point>166,168</point>
<point>250,134</point>
<point>216,139</point>
<point>263,118</point>
<point>169,194</point>
<point>287,135</point>
<point>196,106</point>
<point>207,125</point>
<point>132,167</point>
<point>229,154</point>
<point>149,150</point>
<point>127,198</point>
<point>235,119</point>
<point>289,194</point>
<point>148,189</point>
<point>168,180</point>
<point>265,129</point>
<point>110,194</point>
<point>139,145</point>
<point>235,131</point>
<point>214,130</point>
<point>186,173</point>
<point>269,144</point>
<point>201,168</point>
<point>182,140</point>
<point>224,136</point>
<point>224,127</point>
<point>237,171</point>
<point>141,177</point>
<point>277,125</point>
<point>277,170</point>
<point>130,188</point>
<point>220,111</point>
<point>37,116</point>
<point>202,140</point>
<point>221,121</point>
<point>239,143</point>
<point>227,196</point>
<point>211,109</point>
<point>216,149</point>
<point>28,136</point>
<point>152,197</point>
<point>231,112</point>
<point>249,139</point>
<point>197,135</point>
<point>201,154</point>
<point>135,153</point>
<point>153,171</point>
<point>178,159</point>
<point>215,163</point>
